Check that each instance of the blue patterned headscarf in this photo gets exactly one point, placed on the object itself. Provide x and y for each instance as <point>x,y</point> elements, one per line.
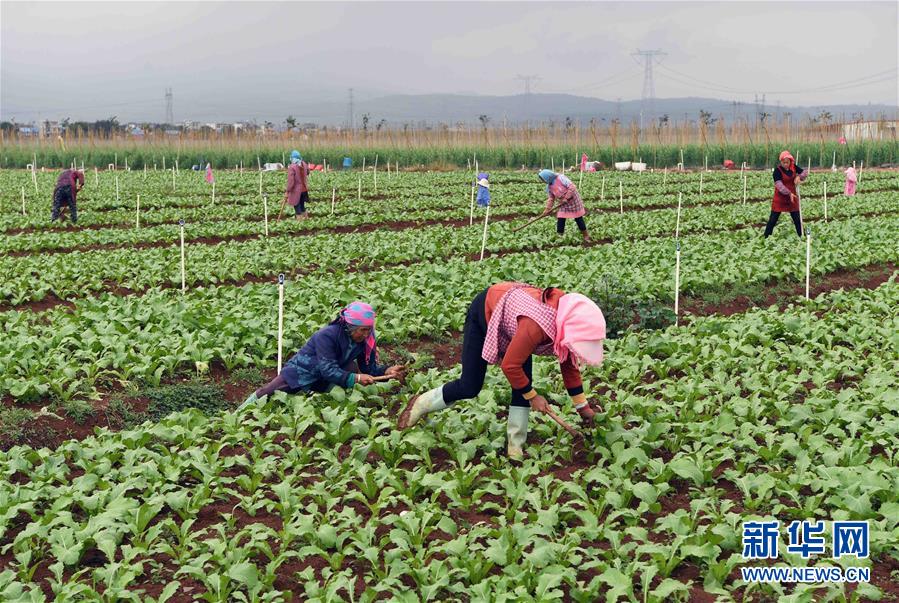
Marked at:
<point>548,176</point>
<point>295,156</point>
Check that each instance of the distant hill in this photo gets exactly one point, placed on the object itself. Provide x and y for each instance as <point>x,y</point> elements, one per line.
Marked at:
<point>453,108</point>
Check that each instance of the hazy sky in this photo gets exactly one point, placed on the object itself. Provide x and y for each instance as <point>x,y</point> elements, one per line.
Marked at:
<point>238,60</point>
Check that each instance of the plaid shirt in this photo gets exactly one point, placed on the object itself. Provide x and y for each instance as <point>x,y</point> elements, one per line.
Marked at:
<point>504,323</point>
<point>564,190</point>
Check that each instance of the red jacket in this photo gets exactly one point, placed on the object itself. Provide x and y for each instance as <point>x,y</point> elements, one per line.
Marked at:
<point>296,181</point>
<point>73,178</point>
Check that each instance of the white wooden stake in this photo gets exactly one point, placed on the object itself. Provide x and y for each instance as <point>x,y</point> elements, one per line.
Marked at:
<point>484,238</point>
<point>602,190</point>
<point>621,196</point>
<point>580,180</point>
<point>861,168</point>
<point>163,163</point>
<point>363,163</point>
<point>183,280</point>
<point>825,200</point>
<point>23,201</point>
<point>376,178</point>
<point>137,214</point>
<point>707,163</point>
<point>677,283</point>
<point>265,212</point>
<point>677,227</point>
<point>333,198</point>
<point>808,259</point>
<point>833,164</point>
<point>127,169</point>
<point>280,318</point>
<point>359,189</point>
<point>552,163</point>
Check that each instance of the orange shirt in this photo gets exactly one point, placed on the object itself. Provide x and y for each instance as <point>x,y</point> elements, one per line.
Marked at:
<point>528,338</point>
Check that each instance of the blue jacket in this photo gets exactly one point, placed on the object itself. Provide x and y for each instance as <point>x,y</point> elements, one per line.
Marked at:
<point>327,359</point>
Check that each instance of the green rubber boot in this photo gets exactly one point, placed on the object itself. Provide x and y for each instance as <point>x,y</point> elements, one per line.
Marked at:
<point>517,431</point>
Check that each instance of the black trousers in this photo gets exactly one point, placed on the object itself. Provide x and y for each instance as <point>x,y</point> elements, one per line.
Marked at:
<point>300,208</point>
<point>63,196</point>
<point>775,216</point>
<point>560,224</point>
<point>474,367</point>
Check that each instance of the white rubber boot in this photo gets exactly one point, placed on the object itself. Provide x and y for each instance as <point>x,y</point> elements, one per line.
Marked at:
<point>428,402</point>
<point>517,431</point>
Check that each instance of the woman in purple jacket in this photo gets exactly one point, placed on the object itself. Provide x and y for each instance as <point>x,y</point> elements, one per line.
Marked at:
<point>343,353</point>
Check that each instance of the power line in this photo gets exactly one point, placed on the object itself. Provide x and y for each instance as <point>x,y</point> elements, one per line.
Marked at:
<point>648,57</point>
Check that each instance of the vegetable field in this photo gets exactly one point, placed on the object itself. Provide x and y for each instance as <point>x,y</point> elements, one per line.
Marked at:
<point>127,475</point>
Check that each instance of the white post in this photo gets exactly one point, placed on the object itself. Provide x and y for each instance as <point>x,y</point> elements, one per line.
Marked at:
<point>363,163</point>
<point>333,198</point>
<point>376,177</point>
<point>137,214</point>
<point>707,163</point>
<point>861,168</point>
<point>682,158</point>
<point>552,163</point>
<point>359,189</point>
<point>23,201</point>
<point>163,163</point>
<point>602,190</point>
<point>808,259</point>
<point>825,200</point>
<point>115,161</point>
<point>621,196</point>
<point>833,165</point>
<point>183,280</point>
<point>677,226</point>
<point>580,180</point>
<point>677,283</point>
<point>127,169</point>
<point>484,238</point>
<point>117,187</point>
<point>145,171</point>
<point>280,317</point>
<point>265,212</point>
<point>476,167</point>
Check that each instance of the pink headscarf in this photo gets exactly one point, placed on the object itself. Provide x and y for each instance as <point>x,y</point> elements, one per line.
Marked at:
<point>361,314</point>
<point>787,155</point>
<point>580,329</point>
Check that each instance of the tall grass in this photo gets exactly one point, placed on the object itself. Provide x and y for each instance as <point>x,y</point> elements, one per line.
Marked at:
<point>138,155</point>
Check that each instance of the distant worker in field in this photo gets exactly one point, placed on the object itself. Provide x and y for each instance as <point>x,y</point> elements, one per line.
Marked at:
<point>297,194</point>
<point>851,182</point>
<point>66,193</point>
<point>507,324</point>
<point>483,189</point>
<point>343,353</point>
<point>563,194</point>
<point>787,176</point>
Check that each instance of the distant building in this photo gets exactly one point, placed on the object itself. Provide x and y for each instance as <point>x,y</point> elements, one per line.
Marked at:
<point>869,130</point>
<point>29,130</point>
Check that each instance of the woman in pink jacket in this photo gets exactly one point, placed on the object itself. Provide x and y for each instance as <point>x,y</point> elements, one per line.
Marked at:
<point>297,194</point>
<point>561,189</point>
<point>851,181</point>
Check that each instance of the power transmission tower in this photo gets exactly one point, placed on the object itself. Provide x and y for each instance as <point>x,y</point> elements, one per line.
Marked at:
<point>648,58</point>
<point>527,79</point>
<point>169,115</point>
<point>351,115</point>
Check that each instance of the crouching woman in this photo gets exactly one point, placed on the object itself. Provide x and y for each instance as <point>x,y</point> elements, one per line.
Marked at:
<point>342,353</point>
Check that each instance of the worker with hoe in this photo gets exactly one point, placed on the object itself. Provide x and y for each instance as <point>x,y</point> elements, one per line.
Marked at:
<point>297,193</point>
<point>507,324</point>
<point>65,194</point>
<point>787,176</point>
<point>563,194</point>
<point>342,353</point>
